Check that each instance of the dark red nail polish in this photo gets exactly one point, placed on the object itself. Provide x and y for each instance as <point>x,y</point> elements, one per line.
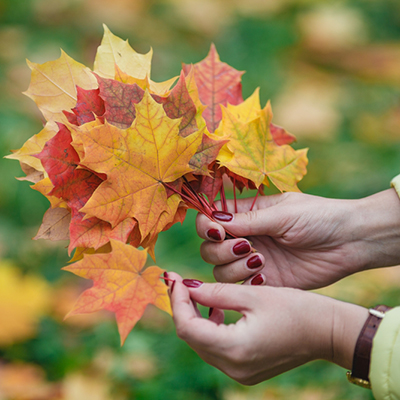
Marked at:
<point>192,283</point>
<point>222,216</point>
<point>257,280</point>
<point>210,311</point>
<point>214,234</point>
<point>241,248</point>
<point>165,274</point>
<point>254,262</point>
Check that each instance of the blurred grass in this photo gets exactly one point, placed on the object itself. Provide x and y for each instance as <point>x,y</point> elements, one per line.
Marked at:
<point>332,72</point>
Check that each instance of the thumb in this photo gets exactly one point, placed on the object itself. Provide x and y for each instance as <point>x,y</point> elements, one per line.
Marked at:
<point>267,221</point>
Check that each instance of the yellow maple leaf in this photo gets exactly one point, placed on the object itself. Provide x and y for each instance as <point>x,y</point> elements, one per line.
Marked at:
<point>53,85</point>
<point>34,145</point>
<point>253,154</point>
<point>114,50</point>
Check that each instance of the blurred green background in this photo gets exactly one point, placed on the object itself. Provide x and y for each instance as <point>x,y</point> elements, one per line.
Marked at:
<point>332,72</point>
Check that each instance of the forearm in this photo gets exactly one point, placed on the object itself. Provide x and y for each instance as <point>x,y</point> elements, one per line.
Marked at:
<point>376,230</point>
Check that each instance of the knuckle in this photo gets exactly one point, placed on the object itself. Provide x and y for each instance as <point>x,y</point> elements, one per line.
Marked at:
<point>250,216</point>
<point>204,252</point>
<point>181,332</point>
<point>217,274</point>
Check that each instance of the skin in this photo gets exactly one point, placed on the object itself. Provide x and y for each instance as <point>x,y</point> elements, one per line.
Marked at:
<point>262,343</point>
<point>304,242</point>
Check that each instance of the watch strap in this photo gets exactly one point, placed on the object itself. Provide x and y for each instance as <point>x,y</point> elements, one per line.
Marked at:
<point>362,352</point>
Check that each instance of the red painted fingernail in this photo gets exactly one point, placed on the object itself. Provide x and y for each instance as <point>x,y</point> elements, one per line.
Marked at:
<point>222,216</point>
<point>257,280</point>
<point>192,283</point>
<point>254,262</point>
<point>165,274</point>
<point>210,311</point>
<point>172,286</point>
<point>241,248</point>
<point>214,234</point>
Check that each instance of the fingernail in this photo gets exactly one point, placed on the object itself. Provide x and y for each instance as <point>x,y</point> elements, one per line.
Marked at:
<point>210,311</point>
<point>222,216</point>
<point>165,274</point>
<point>192,283</point>
<point>257,280</point>
<point>214,234</point>
<point>254,262</point>
<point>241,248</point>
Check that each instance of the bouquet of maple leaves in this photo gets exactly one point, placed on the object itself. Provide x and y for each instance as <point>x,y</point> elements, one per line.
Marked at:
<point>121,158</point>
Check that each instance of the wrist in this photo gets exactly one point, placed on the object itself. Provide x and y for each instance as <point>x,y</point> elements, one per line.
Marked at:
<point>348,321</point>
<point>376,230</point>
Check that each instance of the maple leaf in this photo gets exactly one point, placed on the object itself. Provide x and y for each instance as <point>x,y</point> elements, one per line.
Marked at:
<point>210,185</point>
<point>81,251</point>
<point>60,161</point>
<point>205,155</point>
<point>250,109</point>
<point>114,50</point>
<point>95,233</point>
<point>31,174</point>
<point>88,105</point>
<point>55,225</point>
<point>75,186</point>
<point>252,153</point>
<point>120,99</point>
<point>179,104</point>
<point>53,85</point>
<point>120,285</point>
<point>137,161</point>
<point>218,84</point>
<point>159,88</point>
<point>34,145</point>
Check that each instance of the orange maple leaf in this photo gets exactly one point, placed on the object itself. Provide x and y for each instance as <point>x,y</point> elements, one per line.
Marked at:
<point>137,162</point>
<point>120,285</point>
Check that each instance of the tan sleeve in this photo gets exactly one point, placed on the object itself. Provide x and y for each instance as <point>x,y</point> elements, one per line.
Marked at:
<point>384,372</point>
<point>395,183</point>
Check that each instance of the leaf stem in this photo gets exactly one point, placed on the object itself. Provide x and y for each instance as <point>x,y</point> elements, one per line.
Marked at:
<point>234,194</point>
<point>223,198</point>
<point>255,198</point>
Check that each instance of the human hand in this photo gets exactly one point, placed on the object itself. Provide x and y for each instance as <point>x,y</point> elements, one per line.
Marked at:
<point>302,241</point>
<point>281,328</point>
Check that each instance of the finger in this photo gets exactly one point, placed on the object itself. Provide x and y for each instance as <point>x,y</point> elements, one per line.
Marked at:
<point>209,230</point>
<point>256,280</point>
<point>245,204</point>
<point>180,298</point>
<point>239,270</point>
<point>271,221</point>
<point>216,315</point>
<point>199,332</point>
<point>224,296</point>
<point>225,252</point>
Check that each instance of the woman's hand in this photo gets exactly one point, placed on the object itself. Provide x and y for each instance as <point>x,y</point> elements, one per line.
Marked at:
<point>281,328</point>
<point>302,241</point>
